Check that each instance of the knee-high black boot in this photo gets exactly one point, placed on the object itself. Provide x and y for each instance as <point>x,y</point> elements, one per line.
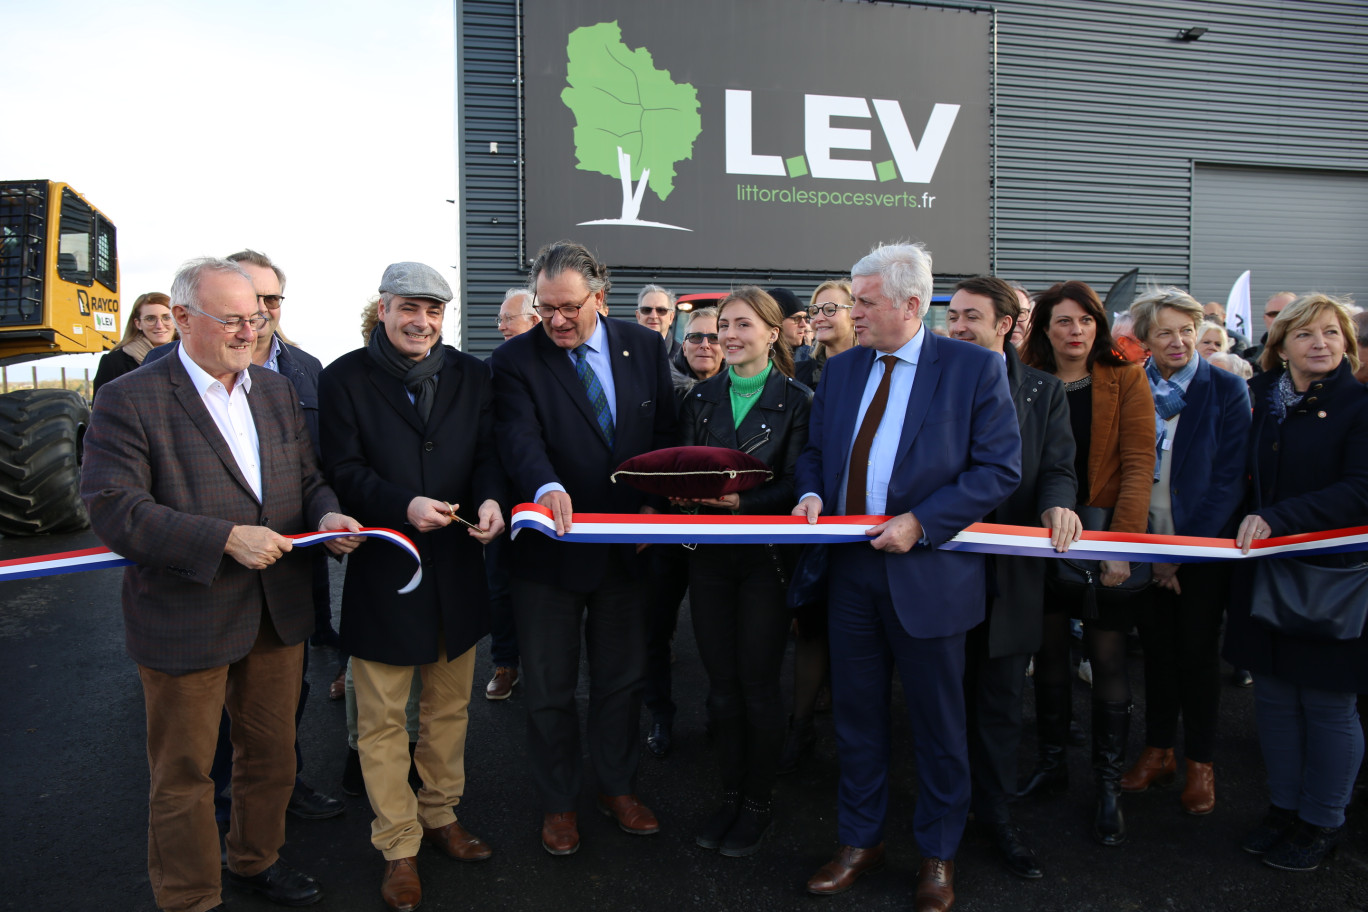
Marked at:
<point>1051,775</point>
<point>1110,728</point>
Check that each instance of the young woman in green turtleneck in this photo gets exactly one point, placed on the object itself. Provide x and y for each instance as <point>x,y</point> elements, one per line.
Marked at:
<point>740,616</point>
<point>746,341</point>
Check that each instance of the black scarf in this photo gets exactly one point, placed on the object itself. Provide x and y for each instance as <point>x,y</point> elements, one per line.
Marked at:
<point>418,377</point>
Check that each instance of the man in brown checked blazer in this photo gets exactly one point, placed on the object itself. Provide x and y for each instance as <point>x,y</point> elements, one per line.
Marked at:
<point>196,467</point>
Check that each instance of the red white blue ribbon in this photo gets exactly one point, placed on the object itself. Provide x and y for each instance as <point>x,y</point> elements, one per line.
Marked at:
<point>981,538</point>
<point>100,558</point>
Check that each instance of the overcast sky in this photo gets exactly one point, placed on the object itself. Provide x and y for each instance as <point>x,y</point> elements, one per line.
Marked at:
<point>318,133</point>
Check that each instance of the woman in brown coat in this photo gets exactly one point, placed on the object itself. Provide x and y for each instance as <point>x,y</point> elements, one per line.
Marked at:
<point>1112,415</point>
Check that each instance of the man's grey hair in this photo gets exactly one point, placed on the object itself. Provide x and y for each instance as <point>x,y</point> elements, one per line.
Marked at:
<point>652,289</point>
<point>185,286</point>
<point>905,270</point>
<point>562,256</point>
<point>698,313</point>
<point>525,294</point>
<point>260,260</point>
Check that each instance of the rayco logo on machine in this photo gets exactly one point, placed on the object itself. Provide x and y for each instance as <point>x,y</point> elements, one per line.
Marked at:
<point>106,311</point>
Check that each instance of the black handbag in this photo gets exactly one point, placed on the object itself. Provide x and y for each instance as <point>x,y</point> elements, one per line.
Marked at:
<point>1084,577</point>
<point>1311,600</point>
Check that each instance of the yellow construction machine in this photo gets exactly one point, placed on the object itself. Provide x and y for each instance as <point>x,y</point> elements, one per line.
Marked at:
<point>59,295</point>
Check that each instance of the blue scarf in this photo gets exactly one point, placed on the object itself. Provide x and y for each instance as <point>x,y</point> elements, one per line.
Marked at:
<point>1168,401</point>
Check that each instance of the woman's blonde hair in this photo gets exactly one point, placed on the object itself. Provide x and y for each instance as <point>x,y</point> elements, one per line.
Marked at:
<point>819,352</point>
<point>1300,313</point>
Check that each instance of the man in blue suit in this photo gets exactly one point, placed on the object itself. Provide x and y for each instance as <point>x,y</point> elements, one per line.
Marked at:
<point>921,429</point>
<point>573,399</point>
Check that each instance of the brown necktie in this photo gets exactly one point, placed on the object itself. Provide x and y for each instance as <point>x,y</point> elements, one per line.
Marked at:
<point>864,441</point>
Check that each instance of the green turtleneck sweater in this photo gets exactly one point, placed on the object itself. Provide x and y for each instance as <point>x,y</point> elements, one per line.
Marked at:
<point>745,391</point>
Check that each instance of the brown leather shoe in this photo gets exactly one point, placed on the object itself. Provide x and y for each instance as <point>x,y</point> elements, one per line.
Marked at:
<point>1199,794</point>
<point>1156,766</point>
<point>840,874</point>
<point>400,889</point>
<point>631,815</point>
<point>935,885</point>
<point>501,685</point>
<point>560,834</point>
<point>458,842</point>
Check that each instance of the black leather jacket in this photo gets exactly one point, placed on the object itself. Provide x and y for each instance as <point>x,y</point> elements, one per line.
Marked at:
<point>774,431</point>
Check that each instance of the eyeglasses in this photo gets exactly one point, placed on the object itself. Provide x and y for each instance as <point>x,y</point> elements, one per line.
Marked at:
<point>569,311</point>
<point>256,321</point>
<point>799,317</point>
<point>700,338</point>
<point>505,319</point>
<point>659,311</point>
<point>271,301</point>
<point>150,319</point>
<point>828,307</point>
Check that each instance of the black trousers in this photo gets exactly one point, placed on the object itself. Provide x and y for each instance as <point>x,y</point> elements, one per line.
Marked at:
<point>741,623</point>
<point>1182,638</point>
<point>992,700</point>
<point>549,620</point>
<point>669,580</point>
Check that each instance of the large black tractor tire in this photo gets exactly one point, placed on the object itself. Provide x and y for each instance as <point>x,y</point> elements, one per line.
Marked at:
<point>40,461</point>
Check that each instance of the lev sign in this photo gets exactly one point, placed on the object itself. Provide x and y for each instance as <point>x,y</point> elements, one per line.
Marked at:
<point>663,138</point>
<point>916,163</point>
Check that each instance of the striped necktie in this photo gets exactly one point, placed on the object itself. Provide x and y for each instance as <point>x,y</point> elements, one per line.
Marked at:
<point>595,390</point>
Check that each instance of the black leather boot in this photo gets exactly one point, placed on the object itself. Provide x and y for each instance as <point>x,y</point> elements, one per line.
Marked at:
<point>1110,728</point>
<point>729,744</point>
<point>1051,774</point>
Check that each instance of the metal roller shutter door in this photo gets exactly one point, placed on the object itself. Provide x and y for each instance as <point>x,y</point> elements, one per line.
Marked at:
<point>1296,230</point>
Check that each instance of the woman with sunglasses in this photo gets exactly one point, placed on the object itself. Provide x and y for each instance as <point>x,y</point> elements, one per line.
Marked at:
<point>737,592</point>
<point>149,325</point>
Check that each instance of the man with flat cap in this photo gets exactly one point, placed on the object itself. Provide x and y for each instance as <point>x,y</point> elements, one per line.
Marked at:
<point>407,433</point>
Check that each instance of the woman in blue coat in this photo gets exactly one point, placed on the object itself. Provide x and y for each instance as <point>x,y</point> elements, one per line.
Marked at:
<point>1309,473</point>
<point>1201,431</point>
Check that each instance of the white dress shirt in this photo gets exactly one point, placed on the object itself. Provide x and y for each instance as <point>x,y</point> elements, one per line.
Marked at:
<point>232,415</point>
<point>883,452</point>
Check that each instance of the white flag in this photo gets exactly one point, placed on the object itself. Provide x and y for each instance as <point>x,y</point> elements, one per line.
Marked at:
<point>1238,314</point>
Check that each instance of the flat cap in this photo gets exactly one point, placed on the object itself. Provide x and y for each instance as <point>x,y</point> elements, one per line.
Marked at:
<point>415,280</point>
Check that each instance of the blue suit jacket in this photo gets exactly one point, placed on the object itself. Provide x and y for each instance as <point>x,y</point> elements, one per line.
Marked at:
<point>958,458</point>
<point>1207,478</point>
<point>546,431</point>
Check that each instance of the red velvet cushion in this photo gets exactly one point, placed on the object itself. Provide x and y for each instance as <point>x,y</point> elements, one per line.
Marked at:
<point>693,471</point>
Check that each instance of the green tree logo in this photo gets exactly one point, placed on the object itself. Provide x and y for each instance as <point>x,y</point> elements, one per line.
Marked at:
<point>631,121</point>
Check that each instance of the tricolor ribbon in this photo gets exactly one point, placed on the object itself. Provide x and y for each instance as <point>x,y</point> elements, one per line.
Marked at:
<point>981,538</point>
<point>100,558</point>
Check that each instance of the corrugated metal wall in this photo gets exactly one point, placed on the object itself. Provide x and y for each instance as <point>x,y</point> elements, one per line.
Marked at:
<point>1101,114</point>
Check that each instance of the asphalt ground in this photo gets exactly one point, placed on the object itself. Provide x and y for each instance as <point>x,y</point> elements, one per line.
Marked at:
<point>73,776</point>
